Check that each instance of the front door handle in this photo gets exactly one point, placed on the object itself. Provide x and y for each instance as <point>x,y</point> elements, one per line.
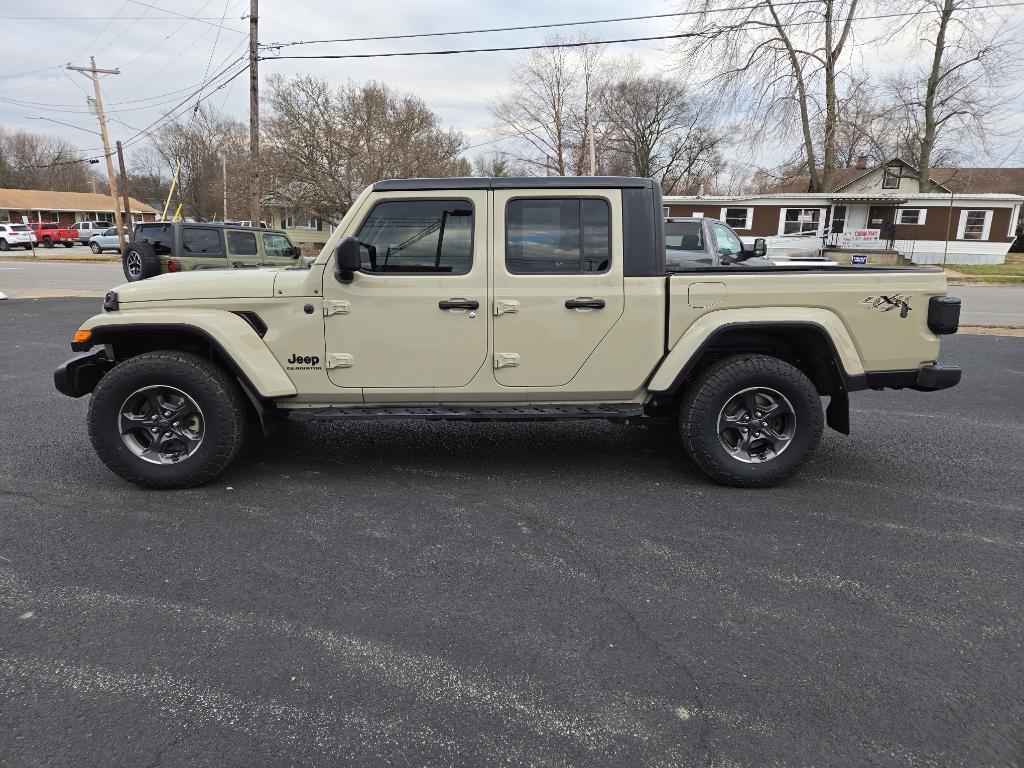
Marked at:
<point>459,304</point>
<point>584,302</point>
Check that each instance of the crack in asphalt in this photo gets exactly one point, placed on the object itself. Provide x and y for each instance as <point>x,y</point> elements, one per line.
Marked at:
<point>563,533</point>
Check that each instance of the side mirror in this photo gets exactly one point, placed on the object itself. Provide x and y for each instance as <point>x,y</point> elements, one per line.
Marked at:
<point>347,258</point>
<point>296,251</point>
<point>760,247</point>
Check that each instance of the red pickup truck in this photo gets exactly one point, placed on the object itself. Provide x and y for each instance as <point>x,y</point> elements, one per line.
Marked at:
<point>50,233</point>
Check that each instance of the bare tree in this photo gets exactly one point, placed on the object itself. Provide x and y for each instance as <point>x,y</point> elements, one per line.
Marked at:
<point>552,109</point>
<point>497,164</point>
<point>656,129</point>
<point>199,143</point>
<point>786,62</point>
<point>323,145</point>
<point>959,91</point>
<point>36,161</point>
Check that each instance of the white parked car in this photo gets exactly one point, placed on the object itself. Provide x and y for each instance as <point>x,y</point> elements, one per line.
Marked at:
<point>105,241</point>
<point>86,229</point>
<point>16,236</point>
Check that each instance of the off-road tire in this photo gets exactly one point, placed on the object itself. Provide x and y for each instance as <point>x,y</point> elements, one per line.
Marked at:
<point>149,261</point>
<point>706,397</point>
<point>216,394</point>
<point>47,242</point>
<point>4,245</point>
<point>95,248</point>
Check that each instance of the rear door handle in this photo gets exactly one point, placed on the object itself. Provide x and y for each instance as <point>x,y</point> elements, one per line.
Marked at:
<point>459,304</point>
<point>584,302</point>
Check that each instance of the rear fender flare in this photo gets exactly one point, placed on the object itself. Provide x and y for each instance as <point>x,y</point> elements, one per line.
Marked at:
<point>701,335</point>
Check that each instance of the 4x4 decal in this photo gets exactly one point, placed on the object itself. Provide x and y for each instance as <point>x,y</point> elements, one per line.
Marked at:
<point>889,303</point>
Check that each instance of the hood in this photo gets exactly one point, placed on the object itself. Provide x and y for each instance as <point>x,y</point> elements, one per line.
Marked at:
<point>202,284</point>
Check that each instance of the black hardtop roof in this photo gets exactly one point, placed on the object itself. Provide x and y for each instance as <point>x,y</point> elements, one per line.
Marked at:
<point>515,182</point>
<point>216,224</point>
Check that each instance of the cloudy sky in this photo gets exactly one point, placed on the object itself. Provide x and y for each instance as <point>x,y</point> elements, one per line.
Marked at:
<point>159,53</point>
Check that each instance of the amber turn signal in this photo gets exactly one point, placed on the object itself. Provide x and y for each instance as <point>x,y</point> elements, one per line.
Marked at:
<point>83,335</point>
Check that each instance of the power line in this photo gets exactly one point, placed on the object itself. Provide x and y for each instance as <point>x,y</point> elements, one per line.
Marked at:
<point>580,43</point>
<point>168,36</point>
<point>183,15</point>
<point>101,32</point>
<point>216,41</point>
<point>539,26</point>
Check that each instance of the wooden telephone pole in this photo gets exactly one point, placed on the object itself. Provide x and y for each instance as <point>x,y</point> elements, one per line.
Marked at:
<point>124,186</point>
<point>94,74</point>
<point>254,114</point>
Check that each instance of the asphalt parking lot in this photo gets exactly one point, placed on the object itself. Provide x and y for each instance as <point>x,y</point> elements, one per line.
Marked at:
<point>514,594</point>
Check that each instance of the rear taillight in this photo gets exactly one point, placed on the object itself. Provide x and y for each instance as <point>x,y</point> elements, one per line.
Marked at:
<point>173,265</point>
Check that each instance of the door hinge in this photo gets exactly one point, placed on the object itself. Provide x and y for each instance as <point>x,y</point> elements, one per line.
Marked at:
<point>501,306</point>
<point>339,360</point>
<point>336,308</point>
<point>506,359</point>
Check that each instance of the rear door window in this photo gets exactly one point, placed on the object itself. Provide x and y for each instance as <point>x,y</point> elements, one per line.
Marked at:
<point>557,236</point>
<point>160,236</point>
<point>200,241</point>
<point>242,244</point>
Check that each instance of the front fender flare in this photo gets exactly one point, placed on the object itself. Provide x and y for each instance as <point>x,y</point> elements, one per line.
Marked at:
<point>233,338</point>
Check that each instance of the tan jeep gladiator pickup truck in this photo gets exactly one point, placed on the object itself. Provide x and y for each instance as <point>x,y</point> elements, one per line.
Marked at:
<point>503,298</point>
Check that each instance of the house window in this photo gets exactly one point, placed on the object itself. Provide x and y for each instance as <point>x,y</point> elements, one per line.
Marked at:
<point>5,216</point>
<point>891,176</point>
<point>292,220</point>
<point>800,221</point>
<point>838,219</point>
<point>697,215</point>
<point>911,216</point>
<point>738,218</point>
<point>974,225</point>
<point>665,211</point>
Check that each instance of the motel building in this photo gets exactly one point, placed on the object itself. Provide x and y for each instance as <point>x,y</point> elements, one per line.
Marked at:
<point>970,215</point>
<point>65,208</point>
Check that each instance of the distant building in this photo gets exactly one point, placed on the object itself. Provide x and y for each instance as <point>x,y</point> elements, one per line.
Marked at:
<point>64,207</point>
<point>971,215</point>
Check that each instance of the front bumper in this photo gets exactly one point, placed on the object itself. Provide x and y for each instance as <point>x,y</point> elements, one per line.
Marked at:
<point>80,375</point>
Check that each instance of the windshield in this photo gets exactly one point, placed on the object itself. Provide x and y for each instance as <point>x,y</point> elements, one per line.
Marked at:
<point>684,236</point>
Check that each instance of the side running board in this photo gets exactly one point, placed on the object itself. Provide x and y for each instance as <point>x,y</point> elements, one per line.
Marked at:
<point>469,412</point>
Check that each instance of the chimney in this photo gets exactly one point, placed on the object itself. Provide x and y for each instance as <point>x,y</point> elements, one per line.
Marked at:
<point>862,162</point>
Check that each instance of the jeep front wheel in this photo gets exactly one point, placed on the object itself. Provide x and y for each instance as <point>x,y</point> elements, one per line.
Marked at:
<point>166,420</point>
<point>750,420</point>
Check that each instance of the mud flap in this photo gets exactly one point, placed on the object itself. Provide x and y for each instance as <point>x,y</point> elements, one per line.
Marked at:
<point>837,415</point>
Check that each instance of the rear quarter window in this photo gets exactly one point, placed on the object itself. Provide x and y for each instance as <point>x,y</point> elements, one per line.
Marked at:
<point>199,241</point>
<point>160,236</point>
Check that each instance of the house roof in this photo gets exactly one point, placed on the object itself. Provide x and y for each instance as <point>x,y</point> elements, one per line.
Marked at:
<point>49,200</point>
<point>1008,181</point>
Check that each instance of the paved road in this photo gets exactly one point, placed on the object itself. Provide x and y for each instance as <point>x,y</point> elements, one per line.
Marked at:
<point>990,305</point>
<point>532,594</point>
<point>34,279</point>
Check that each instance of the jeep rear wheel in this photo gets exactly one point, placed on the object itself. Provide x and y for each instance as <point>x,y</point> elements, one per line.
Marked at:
<point>750,420</point>
<point>166,420</point>
<point>140,261</point>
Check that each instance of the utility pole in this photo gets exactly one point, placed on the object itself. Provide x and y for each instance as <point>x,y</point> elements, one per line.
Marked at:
<point>95,73</point>
<point>593,152</point>
<point>254,113</point>
<point>124,185</point>
<point>224,166</point>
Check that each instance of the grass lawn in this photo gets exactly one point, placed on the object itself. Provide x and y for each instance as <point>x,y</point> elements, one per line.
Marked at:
<point>1010,273</point>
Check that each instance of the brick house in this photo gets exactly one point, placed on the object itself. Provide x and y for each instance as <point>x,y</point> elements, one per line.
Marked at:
<point>969,216</point>
<point>65,207</point>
